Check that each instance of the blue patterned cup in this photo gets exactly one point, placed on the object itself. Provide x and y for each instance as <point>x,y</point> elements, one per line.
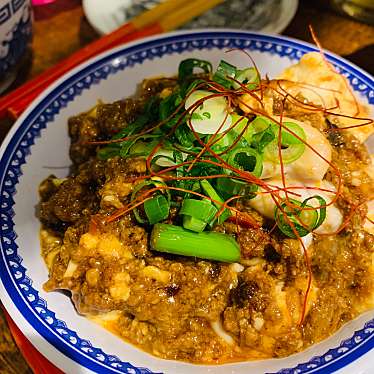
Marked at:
<point>15,37</point>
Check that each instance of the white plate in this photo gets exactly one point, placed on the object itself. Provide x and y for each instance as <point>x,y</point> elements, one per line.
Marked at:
<point>271,16</point>
<point>39,142</point>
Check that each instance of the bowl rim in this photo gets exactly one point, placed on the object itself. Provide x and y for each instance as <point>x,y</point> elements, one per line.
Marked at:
<point>39,105</point>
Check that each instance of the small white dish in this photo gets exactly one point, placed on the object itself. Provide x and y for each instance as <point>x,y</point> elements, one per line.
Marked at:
<point>271,16</point>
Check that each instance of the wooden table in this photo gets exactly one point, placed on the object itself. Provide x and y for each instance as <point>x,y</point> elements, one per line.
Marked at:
<point>61,29</point>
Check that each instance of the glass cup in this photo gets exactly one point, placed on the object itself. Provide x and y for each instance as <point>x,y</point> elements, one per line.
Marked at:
<point>15,38</point>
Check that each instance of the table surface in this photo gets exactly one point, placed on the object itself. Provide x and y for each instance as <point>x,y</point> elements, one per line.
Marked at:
<point>60,29</point>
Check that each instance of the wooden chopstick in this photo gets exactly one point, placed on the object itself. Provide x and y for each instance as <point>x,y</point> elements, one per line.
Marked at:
<point>182,15</point>
<point>157,13</point>
<point>164,17</point>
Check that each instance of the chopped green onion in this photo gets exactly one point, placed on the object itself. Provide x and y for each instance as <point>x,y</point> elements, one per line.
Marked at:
<point>229,187</point>
<point>261,133</point>
<point>224,71</point>
<point>163,156</point>
<point>249,77</point>
<point>211,192</point>
<point>136,147</point>
<point>140,147</point>
<point>193,224</point>
<point>167,106</point>
<point>156,209</point>
<point>207,245</point>
<point>208,114</point>
<point>190,185</point>
<point>197,214</point>
<point>292,147</point>
<point>310,218</point>
<point>217,124</point>
<point>220,142</point>
<point>261,123</point>
<point>163,160</point>
<point>208,104</point>
<point>184,136</point>
<point>240,126</point>
<point>262,139</point>
<point>246,159</point>
<point>202,209</point>
<point>321,209</point>
<point>122,148</point>
<point>187,87</point>
<point>148,183</point>
<point>107,152</point>
<point>187,66</point>
<point>287,137</point>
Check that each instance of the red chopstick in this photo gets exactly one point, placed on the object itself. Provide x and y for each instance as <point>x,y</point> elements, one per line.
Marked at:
<point>15,102</point>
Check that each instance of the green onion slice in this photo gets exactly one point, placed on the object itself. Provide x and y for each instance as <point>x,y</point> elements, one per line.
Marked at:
<point>163,156</point>
<point>215,124</point>
<point>156,209</point>
<point>208,107</point>
<point>261,132</point>
<point>184,136</point>
<point>197,214</point>
<point>149,183</point>
<point>310,218</point>
<point>187,66</point>
<point>150,113</point>
<point>108,152</point>
<point>246,159</point>
<point>211,114</point>
<point>321,209</point>
<point>224,71</point>
<point>220,142</point>
<point>249,77</point>
<point>207,245</point>
<point>193,224</point>
<point>240,126</point>
<point>168,105</point>
<point>163,160</point>
<point>292,147</point>
<point>212,193</point>
<point>229,187</point>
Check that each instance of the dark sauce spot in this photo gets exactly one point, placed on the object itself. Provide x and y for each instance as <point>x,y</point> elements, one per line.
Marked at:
<point>58,227</point>
<point>245,294</point>
<point>271,255</point>
<point>172,290</point>
<point>215,271</point>
<point>335,138</point>
<point>316,270</point>
<point>93,186</point>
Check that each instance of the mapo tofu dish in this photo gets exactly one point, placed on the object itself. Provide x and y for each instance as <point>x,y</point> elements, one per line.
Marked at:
<point>217,216</point>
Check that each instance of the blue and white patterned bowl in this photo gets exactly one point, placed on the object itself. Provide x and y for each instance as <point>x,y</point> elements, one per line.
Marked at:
<point>15,36</point>
<point>38,146</point>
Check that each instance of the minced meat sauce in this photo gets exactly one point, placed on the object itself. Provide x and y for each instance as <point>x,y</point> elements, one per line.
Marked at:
<point>186,308</point>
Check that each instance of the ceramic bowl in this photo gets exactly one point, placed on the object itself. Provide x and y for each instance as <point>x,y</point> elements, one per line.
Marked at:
<point>15,36</point>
